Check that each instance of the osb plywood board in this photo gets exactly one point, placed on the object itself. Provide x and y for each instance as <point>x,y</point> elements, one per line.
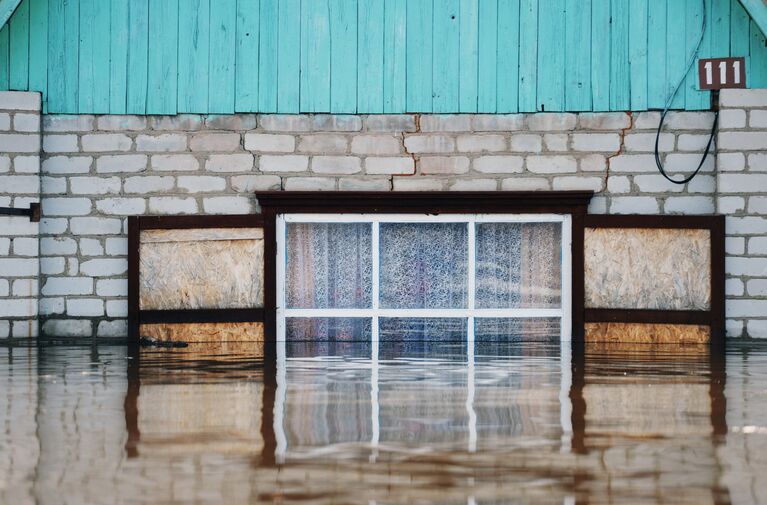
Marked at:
<point>217,268</point>
<point>204,332</point>
<point>638,268</point>
<point>640,333</point>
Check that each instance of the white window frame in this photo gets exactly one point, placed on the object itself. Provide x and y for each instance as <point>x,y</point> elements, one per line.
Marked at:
<point>374,313</point>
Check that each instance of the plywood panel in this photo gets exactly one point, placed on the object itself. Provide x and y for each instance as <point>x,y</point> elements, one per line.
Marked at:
<point>656,269</point>
<point>203,332</point>
<point>639,333</point>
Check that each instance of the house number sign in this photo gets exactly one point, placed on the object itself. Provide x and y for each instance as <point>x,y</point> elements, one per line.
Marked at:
<point>719,73</point>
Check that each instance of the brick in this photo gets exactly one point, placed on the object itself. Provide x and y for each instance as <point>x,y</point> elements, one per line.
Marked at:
<point>66,206</point>
<point>633,163</point>
<point>757,328</point>
<point>429,144</point>
<point>551,164</point>
<point>161,143</point>
<point>175,163</point>
<point>67,123</point>
<point>497,122</point>
<point>604,120</point>
<point>5,164</point>
<point>121,123</point>
<point>19,143</point>
<point>94,185</point>
<point>556,141</point>
<point>376,144</point>
<point>172,205</point>
<point>117,246</point>
<point>364,184</point>
<point>95,226</point>
<point>20,184</point>
<point>148,184</point>
<point>552,121</point>
<point>390,123</point>
<point>309,184</point>
<point>233,122</point>
<point>227,205</point>
<point>743,98</point>
<point>730,162</point>
<point>285,122</point>
<point>5,289</point>
<point>5,329</point>
<point>18,267</point>
<point>112,287</point>
<point>757,162</point>
<point>201,184</point>
<point>745,308</point>
<point>270,143</point>
<point>689,121</point>
<point>5,121</point>
<point>401,165</point>
<point>67,328</point>
<point>50,306</point>
<point>756,287</point>
<point>48,225</point>
<point>474,184</point>
<point>742,183</point>
<point>206,142</point>
<point>88,307</point>
<point>445,123</point>
<point>597,205</point>
<point>521,142</point>
<point>743,141</point>
<point>57,286</point>
<point>634,205</point>
<point>525,184</point>
<point>117,308</point>
<point>645,142</point>
<point>732,118</point>
<point>25,164</point>
<point>5,246</point>
<point>646,120</point>
<point>689,205</point>
<point>735,245</point>
<point>286,163</point>
<point>690,142</point>
<point>600,142</point>
<point>250,183</point>
<point>336,165</point>
<point>52,266</point>
<point>323,143</point>
<point>444,164</point>
<point>731,204</point>
<point>576,183</point>
<point>121,163</point>
<point>20,100</point>
<point>180,122</point>
<point>106,267</point>
<point>103,142</point>
<point>656,183</point>
<point>116,328</point>
<point>121,206</point>
<point>417,184</point>
<point>50,246</point>
<point>733,287</point>
<point>22,307</point>
<point>336,123</point>
<point>91,247</point>
<point>757,205</point>
<point>619,184</point>
<point>593,163</point>
<point>746,225</point>
<point>60,143</point>
<point>240,162</point>
<point>757,245</point>
<point>702,184</point>
<point>25,288</point>
<point>499,164</point>
<point>67,165</point>
<point>757,119</point>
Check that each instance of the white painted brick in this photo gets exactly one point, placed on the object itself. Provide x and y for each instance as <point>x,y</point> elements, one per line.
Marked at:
<point>112,287</point>
<point>67,165</point>
<point>5,121</point>
<point>732,118</point>
<point>26,246</point>
<point>66,206</point>
<point>117,308</point>
<point>733,287</point>
<point>20,100</point>
<point>21,307</point>
<point>323,143</point>
<point>58,286</point>
<point>364,184</point>
<point>525,184</point>
<point>13,226</point>
<point>551,164</point>
<point>26,164</point>
<point>336,122</point>
<point>619,184</point>
<point>336,165</point>
<point>172,205</point>
<point>743,98</point>
<point>121,163</point>
<point>201,184</point>
<point>689,205</point>
<point>5,164</point>
<point>148,184</point>
<point>753,267</point>
<point>689,121</point>
<point>593,163</point>
<point>757,119</point>
<point>104,142</point>
<point>87,307</point>
<point>20,184</point>
<point>656,183</point>
<point>286,163</point>
<point>757,245</point>
<point>67,328</point>
<point>599,142</point>
<point>270,143</point>
<point>497,122</point>
<point>24,288</point>
<point>60,143</point>
<point>474,184</point>
<point>604,120</point>
<point>67,123</point>
<point>735,245</point>
<point>402,165</point>
<point>104,267</point>
<point>647,120</point>
<point>250,183</point>
<point>757,162</point>
<point>95,226</point>
<point>116,328</point>
<point>26,123</point>
<point>633,163</point>
<point>94,185</point>
<point>645,142</point>
<point>232,122</point>
<point>5,246</point>
<point>377,144</point>
<point>50,306</point>
<point>166,142</point>
<point>575,183</point>
<point>121,206</point>
<point>731,204</point>
<point>5,287</point>
<point>731,162</point>
<point>743,140</point>
<point>552,121</point>
<point>310,184</point>
<point>444,164</point>
<point>227,205</point>
<point>285,122</point>
<point>690,142</point>
<point>24,201</point>
<point>556,141</point>
<point>121,123</point>
<point>91,247</point>
<point>240,162</point>
<point>180,122</point>
<point>117,246</point>
<point>390,123</point>
<point>757,328</point>
<point>445,123</point>
<point>175,163</point>
<point>5,329</point>
<point>52,266</point>
<point>756,287</point>
<point>417,183</point>
<point>220,142</point>
<point>499,164</point>
<point>757,205</point>
<point>742,183</point>
<point>597,205</point>
<point>429,144</point>
<point>747,225</point>
<point>745,308</point>
<point>634,205</point>
<point>522,142</point>
<point>29,328</point>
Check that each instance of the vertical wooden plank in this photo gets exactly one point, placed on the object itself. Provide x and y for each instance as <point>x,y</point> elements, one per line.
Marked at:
<point>507,81</point>
<point>695,99</point>
<point>221,75</point>
<point>289,56</point>
<point>720,28</point>
<point>395,57</point>
<point>758,76</point>
<point>267,55</point>
<point>138,50</point>
<point>370,50</point>
<point>118,50</point>
<point>446,50</point>
<point>63,35</point>
<point>551,56</point>
<point>19,47</point>
<point>4,58</point>
<point>93,65</point>
<point>315,56</point>
<point>247,57</point>
<point>675,50</point>
<point>419,56</point>
<point>491,47</point>
<point>468,58</point>
<point>739,31</point>
<point>600,55</point>
<point>162,74</point>
<point>193,55</point>
<point>656,53</point>
<point>578,55</point>
<point>38,47</point>
<point>620,78</point>
<point>638,14</point>
<point>528,55</point>
<point>343,56</point>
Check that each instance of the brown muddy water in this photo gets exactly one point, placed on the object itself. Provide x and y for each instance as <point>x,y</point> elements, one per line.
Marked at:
<point>412,424</point>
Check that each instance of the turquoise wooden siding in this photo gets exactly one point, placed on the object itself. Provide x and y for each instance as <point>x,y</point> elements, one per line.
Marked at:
<point>367,56</point>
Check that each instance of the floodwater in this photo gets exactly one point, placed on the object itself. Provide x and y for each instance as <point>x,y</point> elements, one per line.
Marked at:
<point>403,424</point>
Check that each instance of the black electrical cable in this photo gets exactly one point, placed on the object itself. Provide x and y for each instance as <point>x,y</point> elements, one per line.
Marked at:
<point>658,162</point>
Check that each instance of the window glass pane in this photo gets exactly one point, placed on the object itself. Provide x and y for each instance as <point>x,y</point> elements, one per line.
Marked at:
<point>423,265</point>
<point>393,329</point>
<point>519,265</point>
<point>497,329</point>
<point>328,328</point>
<point>328,265</point>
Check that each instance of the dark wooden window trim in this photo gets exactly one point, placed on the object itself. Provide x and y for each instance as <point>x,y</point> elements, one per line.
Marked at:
<point>714,317</point>
<point>136,316</point>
